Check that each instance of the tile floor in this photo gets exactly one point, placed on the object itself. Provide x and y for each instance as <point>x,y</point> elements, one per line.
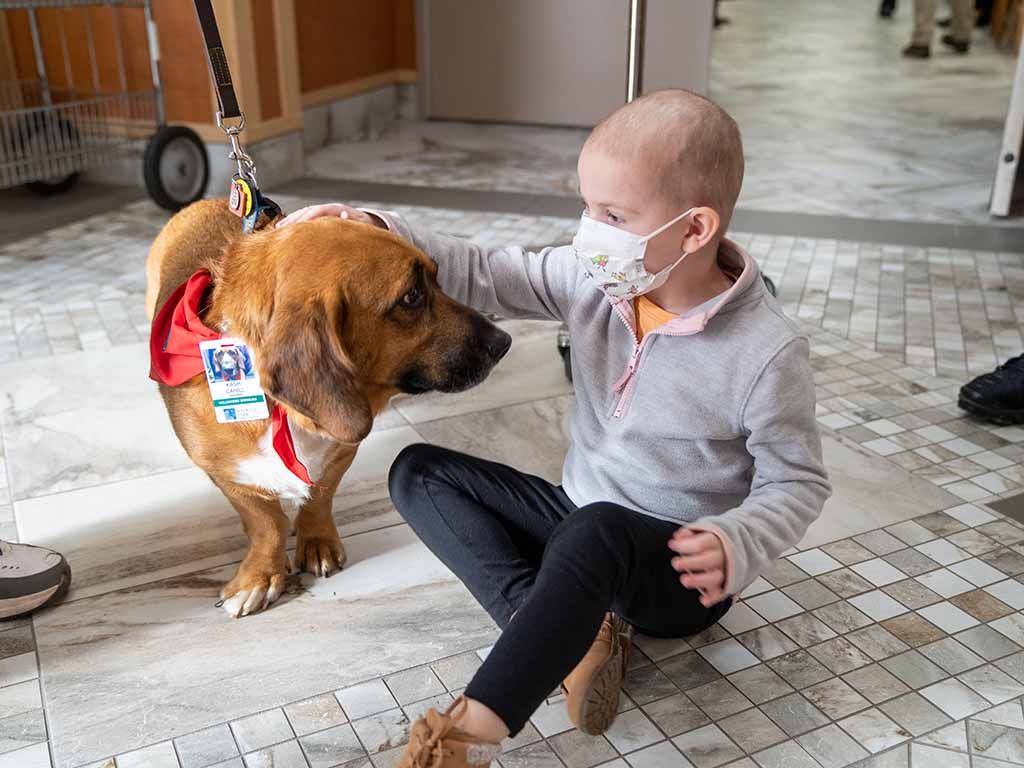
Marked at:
<point>891,637</point>
<point>944,311</point>
<point>893,630</point>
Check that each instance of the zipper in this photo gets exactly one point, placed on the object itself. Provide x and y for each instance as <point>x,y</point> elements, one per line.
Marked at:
<point>627,382</point>
<point>624,384</point>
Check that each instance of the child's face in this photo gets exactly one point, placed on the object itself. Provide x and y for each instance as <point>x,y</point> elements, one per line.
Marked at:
<point>626,196</point>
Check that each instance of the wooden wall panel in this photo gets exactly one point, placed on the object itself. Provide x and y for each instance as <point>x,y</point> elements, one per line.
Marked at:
<point>266,59</point>
<point>337,42</point>
<point>187,90</point>
<point>405,35</point>
<point>343,41</point>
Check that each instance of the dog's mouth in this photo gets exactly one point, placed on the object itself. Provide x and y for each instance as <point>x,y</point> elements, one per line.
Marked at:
<point>469,368</point>
<point>414,382</point>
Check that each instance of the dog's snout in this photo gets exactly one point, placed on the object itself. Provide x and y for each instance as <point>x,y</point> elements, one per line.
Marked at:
<point>497,344</point>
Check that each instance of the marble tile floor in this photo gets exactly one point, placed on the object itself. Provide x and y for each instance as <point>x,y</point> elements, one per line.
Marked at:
<point>834,122</point>
<point>951,312</point>
<point>139,663</point>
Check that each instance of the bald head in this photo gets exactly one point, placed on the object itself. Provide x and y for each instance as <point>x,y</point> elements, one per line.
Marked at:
<point>687,143</point>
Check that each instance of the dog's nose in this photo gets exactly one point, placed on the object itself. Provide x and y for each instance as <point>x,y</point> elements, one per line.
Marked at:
<point>497,344</point>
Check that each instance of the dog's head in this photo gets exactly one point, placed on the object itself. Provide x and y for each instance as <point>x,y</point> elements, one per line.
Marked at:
<point>228,359</point>
<point>341,313</point>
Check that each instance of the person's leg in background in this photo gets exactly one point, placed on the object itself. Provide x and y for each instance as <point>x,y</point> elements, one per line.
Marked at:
<point>924,28</point>
<point>959,37</point>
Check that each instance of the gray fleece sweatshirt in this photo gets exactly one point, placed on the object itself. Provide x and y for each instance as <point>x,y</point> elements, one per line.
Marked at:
<point>709,421</point>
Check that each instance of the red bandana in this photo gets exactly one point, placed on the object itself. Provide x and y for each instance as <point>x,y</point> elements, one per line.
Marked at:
<point>174,357</point>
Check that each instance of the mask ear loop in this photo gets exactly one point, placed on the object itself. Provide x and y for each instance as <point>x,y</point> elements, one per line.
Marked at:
<point>663,227</point>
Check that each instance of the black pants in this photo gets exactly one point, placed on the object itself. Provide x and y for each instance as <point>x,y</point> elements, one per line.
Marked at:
<point>520,546</point>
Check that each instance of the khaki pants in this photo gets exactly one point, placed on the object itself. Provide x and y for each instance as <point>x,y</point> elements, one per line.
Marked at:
<point>924,20</point>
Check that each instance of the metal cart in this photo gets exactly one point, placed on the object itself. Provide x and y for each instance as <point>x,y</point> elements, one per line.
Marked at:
<point>48,135</point>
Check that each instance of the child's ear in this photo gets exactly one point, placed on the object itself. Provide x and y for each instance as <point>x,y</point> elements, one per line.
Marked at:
<point>704,225</point>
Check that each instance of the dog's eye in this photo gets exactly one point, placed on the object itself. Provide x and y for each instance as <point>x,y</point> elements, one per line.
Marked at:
<point>412,299</point>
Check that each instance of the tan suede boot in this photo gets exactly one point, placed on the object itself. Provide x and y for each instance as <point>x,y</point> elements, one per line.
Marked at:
<point>435,742</point>
<point>592,689</point>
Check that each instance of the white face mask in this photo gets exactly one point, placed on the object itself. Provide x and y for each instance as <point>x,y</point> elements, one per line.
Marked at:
<point>615,257</point>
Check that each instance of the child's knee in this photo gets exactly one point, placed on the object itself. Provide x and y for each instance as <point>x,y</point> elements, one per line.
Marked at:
<point>408,471</point>
<point>602,524</point>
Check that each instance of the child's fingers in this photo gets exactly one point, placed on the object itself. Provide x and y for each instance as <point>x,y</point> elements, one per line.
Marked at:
<point>296,216</point>
<point>311,212</point>
<point>693,544</point>
<point>711,597</point>
<point>704,581</point>
<point>701,562</point>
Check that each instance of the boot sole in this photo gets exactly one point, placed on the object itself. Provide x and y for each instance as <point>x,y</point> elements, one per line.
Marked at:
<point>27,604</point>
<point>599,706</point>
<point>997,416</point>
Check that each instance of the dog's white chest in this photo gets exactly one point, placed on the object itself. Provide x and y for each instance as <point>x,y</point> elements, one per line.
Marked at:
<point>266,470</point>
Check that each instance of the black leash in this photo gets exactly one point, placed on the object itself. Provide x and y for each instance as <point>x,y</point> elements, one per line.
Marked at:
<point>245,201</point>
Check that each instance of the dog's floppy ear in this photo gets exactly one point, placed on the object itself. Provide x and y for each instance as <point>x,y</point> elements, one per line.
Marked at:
<point>305,367</point>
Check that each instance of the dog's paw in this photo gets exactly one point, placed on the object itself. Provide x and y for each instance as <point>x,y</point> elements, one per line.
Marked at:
<point>252,590</point>
<point>319,556</point>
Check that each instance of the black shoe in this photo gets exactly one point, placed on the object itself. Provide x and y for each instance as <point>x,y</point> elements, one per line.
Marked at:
<point>917,52</point>
<point>998,396</point>
<point>886,9</point>
<point>960,46</point>
<point>720,21</point>
<point>946,22</point>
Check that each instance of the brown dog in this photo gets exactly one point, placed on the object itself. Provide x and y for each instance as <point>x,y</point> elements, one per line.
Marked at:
<point>339,317</point>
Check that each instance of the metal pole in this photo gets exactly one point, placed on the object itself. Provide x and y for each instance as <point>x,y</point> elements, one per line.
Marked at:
<point>635,70</point>
<point>154,62</point>
<point>1009,152</point>
<point>37,49</point>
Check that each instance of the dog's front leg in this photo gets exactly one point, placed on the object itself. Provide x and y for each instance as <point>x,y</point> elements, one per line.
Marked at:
<point>260,578</point>
<point>318,547</point>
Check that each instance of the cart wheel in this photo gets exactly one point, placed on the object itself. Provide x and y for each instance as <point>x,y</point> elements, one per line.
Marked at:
<point>40,138</point>
<point>175,167</point>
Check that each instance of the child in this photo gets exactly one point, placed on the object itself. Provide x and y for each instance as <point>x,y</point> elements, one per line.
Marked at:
<point>694,459</point>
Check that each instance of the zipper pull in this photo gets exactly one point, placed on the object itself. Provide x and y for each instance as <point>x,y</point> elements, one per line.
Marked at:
<point>634,360</point>
<point>630,370</point>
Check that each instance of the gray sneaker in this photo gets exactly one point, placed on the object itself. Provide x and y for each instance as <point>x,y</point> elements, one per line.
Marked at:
<point>30,577</point>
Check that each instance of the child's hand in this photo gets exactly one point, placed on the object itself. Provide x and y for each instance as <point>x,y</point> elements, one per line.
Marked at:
<point>701,561</point>
<point>337,210</point>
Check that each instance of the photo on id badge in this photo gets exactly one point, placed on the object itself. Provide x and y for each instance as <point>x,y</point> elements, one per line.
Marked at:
<point>228,362</point>
<point>234,386</point>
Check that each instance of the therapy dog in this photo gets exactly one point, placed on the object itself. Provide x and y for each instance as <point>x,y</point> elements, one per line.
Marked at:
<point>338,316</point>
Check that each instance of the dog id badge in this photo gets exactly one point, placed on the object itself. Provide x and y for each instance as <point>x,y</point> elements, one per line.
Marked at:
<point>234,385</point>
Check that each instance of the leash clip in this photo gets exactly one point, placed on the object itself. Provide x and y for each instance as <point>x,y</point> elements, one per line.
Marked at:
<point>246,165</point>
